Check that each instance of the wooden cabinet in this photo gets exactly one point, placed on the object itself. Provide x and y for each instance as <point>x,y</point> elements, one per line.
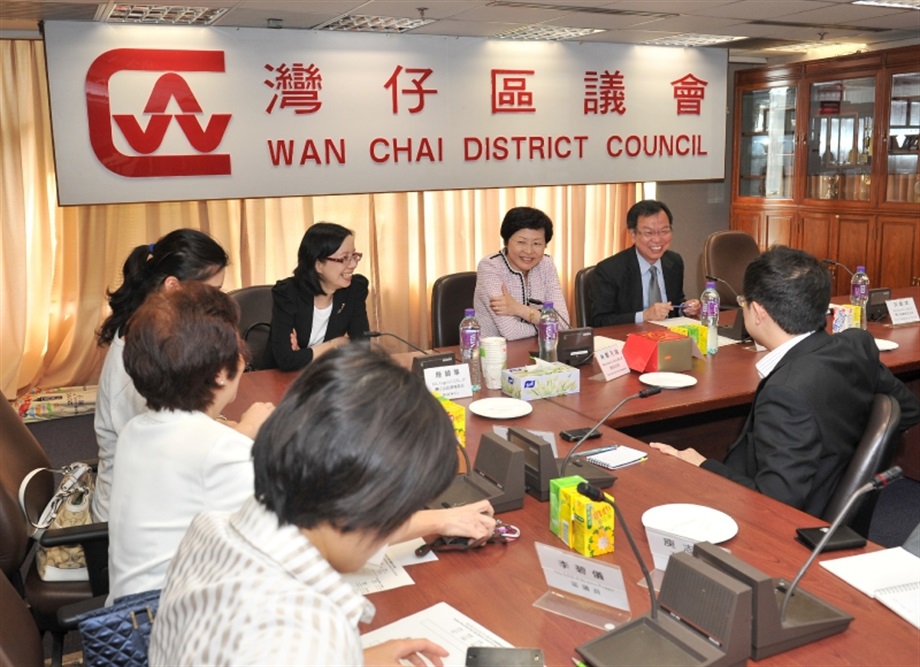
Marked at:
<point>826,159</point>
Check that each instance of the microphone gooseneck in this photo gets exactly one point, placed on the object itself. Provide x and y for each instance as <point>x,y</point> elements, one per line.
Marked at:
<point>827,260</point>
<point>645,393</point>
<point>878,481</point>
<point>378,334</point>
<point>593,493</point>
<point>724,282</point>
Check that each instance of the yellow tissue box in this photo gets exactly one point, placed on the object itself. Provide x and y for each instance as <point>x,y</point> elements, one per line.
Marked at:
<point>457,414</point>
<point>696,332</point>
<point>591,531</point>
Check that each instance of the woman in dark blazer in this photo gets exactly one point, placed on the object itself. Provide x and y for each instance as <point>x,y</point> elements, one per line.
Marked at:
<point>322,306</point>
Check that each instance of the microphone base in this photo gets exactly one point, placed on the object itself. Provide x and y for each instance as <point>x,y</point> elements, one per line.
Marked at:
<point>419,364</point>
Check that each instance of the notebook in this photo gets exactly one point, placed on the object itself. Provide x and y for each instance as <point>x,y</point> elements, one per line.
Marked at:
<point>891,576</point>
<point>620,457</point>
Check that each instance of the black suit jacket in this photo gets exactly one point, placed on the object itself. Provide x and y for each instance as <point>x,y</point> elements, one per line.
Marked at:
<point>808,416</point>
<point>292,309</point>
<point>616,287</point>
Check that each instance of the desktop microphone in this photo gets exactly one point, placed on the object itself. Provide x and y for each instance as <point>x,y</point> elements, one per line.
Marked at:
<point>835,263</point>
<point>877,482</point>
<point>593,493</point>
<point>724,282</point>
<point>378,334</point>
<point>645,393</point>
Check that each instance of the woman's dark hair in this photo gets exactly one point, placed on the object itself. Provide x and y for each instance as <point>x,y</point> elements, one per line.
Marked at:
<point>186,254</point>
<point>792,286</point>
<point>357,442</point>
<point>319,242</point>
<point>645,208</point>
<point>178,341</point>
<point>525,217</point>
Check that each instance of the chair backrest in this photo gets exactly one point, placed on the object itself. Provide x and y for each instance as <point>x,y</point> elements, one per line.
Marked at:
<point>583,302</point>
<point>726,255</point>
<point>20,641</point>
<point>873,455</point>
<point>450,296</point>
<point>255,304</point>
<point>20,454</point>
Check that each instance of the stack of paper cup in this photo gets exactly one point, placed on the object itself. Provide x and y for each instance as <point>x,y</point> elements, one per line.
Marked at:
<point>494,353</point>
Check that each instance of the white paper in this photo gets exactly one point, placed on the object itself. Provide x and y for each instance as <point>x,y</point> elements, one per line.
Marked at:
<point>443,625</point>
<point>376,579</point>
<point>870,572</point>
<point>612,362</point>
<point>603,342</point>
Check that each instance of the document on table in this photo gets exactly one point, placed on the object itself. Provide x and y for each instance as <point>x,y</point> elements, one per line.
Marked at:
<point>891,576</point>
<point>382,574</point>
<point>443,625</point>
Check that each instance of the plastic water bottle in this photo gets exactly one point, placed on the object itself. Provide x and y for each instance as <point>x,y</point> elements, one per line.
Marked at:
<point>548,330</point>
<point>709,316</point>
<point>469,347</point>
<point>859,293</point>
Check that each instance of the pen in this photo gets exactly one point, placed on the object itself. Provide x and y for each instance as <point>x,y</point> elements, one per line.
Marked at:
<point>578,663</point>
<point>599,450</point>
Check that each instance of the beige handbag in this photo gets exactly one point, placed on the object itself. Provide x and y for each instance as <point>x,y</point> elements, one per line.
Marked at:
<point>69,506</point>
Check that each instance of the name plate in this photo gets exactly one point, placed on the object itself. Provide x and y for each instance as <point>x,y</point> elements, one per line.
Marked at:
<point>587,578</point>
<point>450,381</point>
<point>612,362</point>
<point>902,311</point>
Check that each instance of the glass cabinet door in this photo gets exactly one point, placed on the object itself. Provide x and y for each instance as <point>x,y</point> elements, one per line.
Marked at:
<point>841,115</point>
<point>767,143</point>
<point>903,184</point>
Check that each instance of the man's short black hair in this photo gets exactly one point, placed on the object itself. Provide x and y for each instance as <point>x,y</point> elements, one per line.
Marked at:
<point>792,286</point>
<point>526,217</point>
<point>357,443</point>
<point>645,208</point>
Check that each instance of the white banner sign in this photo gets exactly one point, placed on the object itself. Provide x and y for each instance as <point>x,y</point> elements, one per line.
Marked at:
<point>158,113</point>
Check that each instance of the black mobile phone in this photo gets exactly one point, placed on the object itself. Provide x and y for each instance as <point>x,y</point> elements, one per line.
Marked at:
<point>576,434</point>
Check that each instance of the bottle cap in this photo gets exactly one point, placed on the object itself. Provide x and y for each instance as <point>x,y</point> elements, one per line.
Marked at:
<point>547,304</point>
<point>469,312</point>
<point>710,284</point>
<point>860,269</point>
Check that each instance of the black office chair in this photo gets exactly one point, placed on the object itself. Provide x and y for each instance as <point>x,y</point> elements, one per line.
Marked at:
<point>20,641</point>
<point>726,255</point>
<point>255,326</point>
<point>583,302</point>
<point>450,296</point>
<point>873,455</point>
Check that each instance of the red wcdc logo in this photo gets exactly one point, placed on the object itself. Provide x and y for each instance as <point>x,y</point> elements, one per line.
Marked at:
<point>147,140</point>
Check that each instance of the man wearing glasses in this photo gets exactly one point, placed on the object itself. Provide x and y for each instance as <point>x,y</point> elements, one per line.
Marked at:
<point>646,281</point>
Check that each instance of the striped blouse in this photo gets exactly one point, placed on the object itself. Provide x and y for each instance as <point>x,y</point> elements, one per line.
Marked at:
<point>244,591</point>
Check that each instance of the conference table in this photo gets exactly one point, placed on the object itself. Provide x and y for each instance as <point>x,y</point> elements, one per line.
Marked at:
<point>497,585</point>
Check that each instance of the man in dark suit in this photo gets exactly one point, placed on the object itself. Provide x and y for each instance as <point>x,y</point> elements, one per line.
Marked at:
<point>643,282</point>
<point>813,403</point>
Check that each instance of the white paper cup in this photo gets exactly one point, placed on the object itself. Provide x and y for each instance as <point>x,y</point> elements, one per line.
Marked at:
<point>492,375</point>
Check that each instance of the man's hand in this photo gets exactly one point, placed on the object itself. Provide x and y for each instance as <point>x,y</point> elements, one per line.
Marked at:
<point>689,455</point>
<point>393,652</point>
<point>253,418</point>
<point>657,311</point>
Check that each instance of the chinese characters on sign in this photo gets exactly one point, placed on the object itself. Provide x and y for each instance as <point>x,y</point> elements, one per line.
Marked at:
<point>297,86</point>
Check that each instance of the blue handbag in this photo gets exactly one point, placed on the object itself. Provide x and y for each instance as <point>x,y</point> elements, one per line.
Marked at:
<point>119,636</point>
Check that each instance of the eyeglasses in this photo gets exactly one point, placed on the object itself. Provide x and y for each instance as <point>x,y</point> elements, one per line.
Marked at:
<point>652,233</point>
<point>347,259</point>
<point>742,300</point>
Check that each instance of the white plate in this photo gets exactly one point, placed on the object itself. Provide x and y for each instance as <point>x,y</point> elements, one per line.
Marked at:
<point>668,380</point>
<point>694,522</point>
<point>500,408</point>
<point>886,345</point>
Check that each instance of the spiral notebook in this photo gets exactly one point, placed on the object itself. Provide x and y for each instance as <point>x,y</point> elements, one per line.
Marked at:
<point>620,457</point>
<point>891,576</point>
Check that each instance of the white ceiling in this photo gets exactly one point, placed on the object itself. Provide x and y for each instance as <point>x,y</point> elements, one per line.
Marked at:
<point>763,23</point>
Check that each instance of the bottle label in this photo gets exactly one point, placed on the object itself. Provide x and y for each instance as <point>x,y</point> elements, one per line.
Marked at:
<point>859,291</point>
<point>548,330</point>
<point>469,338</point>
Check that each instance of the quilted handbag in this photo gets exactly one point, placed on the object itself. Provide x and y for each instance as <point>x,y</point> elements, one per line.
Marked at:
<point>119,636</point>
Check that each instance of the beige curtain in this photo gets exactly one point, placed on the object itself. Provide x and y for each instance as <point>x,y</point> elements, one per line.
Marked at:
<point>59,262</point>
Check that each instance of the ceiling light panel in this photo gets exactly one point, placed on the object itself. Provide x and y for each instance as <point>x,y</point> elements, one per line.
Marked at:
<point>895,4</point>
<point>388,24</point>
<point>693,40</point>
<point>163,14</point>
<point>545,33</point>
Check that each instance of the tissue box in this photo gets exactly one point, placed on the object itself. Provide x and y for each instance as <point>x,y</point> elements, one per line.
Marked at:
<point>540,381</point>
<point>695,332</point>
<point>846,316</point>
<point>591,523</point>
<point>665,350</point>
<point>457,414</point>
<point>560,515</point>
